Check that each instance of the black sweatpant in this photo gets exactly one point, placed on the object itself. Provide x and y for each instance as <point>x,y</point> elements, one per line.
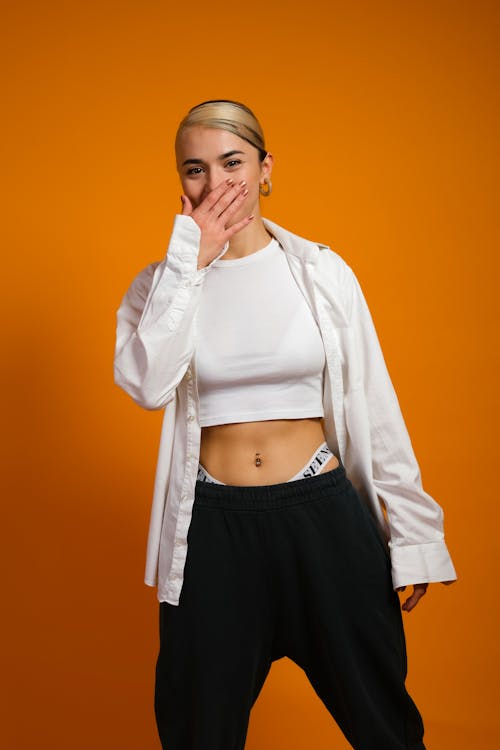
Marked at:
<point>296,569</point>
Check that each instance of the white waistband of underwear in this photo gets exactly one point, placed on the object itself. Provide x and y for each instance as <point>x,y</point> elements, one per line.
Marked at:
<point>314,466</point>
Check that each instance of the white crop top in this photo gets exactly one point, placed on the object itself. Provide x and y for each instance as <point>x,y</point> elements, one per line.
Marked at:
<point>259,353</point>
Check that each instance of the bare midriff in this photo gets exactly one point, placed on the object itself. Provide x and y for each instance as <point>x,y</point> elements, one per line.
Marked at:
<point>228,451</point>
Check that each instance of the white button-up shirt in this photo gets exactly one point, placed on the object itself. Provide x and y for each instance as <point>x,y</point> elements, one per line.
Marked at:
<point>363,424</point>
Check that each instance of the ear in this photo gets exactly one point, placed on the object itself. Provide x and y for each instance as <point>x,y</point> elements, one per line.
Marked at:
<point>266,167</point>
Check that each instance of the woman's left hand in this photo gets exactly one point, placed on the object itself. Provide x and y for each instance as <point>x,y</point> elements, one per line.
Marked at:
<point>419,590</point>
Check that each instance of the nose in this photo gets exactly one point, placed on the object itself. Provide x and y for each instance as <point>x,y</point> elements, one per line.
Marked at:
<point>212,179</point>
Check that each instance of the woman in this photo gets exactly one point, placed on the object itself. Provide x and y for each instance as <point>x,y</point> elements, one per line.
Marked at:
<point>282,446</point>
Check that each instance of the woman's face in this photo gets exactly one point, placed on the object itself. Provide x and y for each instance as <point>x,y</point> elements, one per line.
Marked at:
<point>208,156</point>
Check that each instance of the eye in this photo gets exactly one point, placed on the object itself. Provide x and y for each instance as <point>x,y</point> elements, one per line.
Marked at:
<point>194,170</point>
<point>233,163</point>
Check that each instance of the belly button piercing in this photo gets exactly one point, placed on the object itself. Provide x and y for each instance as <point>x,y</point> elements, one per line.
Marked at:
<point>258,459</point>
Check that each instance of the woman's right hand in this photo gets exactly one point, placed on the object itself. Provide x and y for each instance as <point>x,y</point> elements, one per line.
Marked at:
<point>213,215</point>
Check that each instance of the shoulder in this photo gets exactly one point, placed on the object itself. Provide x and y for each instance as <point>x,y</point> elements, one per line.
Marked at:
<point>330,266</point>
<point>334,278</point>
<point>331,262</point>
<point>324,258</point>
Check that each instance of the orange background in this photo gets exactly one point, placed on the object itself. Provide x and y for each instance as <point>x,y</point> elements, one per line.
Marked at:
<point>383,118</point>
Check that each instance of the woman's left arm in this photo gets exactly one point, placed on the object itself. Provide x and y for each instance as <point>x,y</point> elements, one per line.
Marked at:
<point>418,550</point>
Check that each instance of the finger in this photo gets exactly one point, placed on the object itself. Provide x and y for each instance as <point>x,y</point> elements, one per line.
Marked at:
<point>412,601</point>
<point>187,206</point>
<point>225,204</point>
<point>214,195</point>
<point>232,207</point>
<point>232,230</point>
<point>401,588</point>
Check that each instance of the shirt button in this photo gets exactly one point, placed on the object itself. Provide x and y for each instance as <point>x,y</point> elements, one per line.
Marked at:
<point>178,543</point>
<point>191,418</point>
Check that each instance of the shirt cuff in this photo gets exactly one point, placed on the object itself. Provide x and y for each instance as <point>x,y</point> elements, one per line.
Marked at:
<point>421,563</point>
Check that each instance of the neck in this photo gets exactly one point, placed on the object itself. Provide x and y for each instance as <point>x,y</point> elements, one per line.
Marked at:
<point>254,237</point>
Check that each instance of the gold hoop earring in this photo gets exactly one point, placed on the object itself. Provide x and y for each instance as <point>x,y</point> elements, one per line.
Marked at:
<point>269,190</point>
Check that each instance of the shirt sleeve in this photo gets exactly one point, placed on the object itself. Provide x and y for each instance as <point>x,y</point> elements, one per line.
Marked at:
<point>417,546</point>
<point>154,341</point>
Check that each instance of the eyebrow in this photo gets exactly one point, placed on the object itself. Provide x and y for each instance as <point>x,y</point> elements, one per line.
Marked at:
<point>220,158</point>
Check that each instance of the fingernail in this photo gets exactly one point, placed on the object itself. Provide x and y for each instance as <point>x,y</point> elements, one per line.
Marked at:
<point>243,182</point>
<point>230,181</point>
<point>245,192</point>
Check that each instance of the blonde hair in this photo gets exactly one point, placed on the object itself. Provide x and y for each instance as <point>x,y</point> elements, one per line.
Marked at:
<point>227,115</point>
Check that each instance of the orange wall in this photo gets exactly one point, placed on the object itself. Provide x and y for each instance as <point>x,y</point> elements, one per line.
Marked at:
<point>383,121</point>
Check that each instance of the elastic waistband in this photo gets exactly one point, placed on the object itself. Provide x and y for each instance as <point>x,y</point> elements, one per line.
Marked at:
<point>269,496</point>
